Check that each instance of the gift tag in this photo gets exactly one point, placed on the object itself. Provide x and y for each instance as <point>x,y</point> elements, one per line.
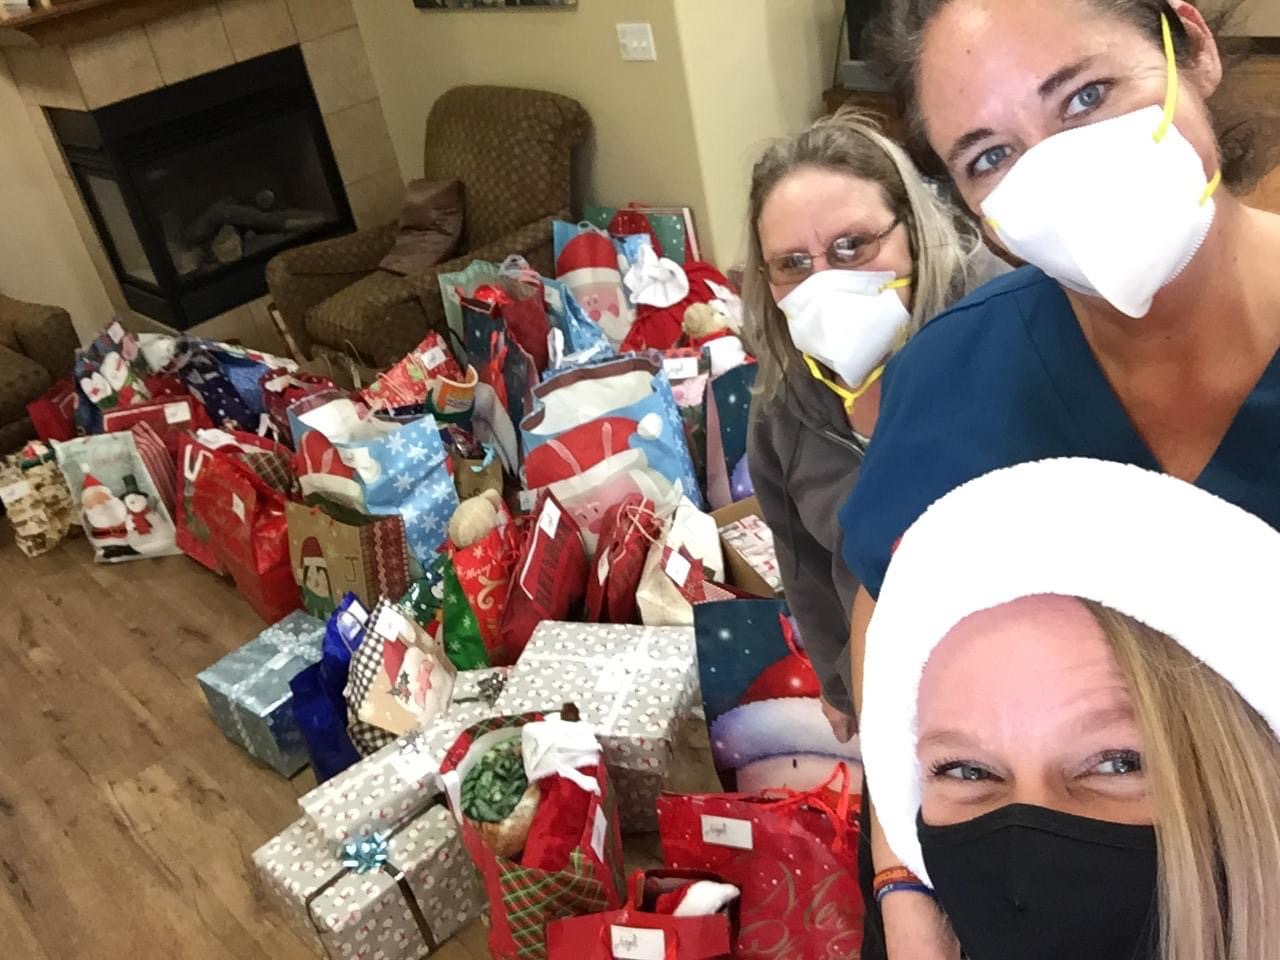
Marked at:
<point>680,368</point>
<point>599,833</point>
<point>277,384</point>
<point>435,357</point>
<point>602,568</point>
<point>357,610</point>
<point>549,519</point>
<point>551,296</point>
<point>412,765</point>
<point>15,491</point>
<point>237,507</point>
<point>726,832</point>
<point>527,499</point>
<point>176,413</point>
<point>678,568</point>
<point>279,660</point>
<point>391,624</point>
<point>115,331</point>
<point>216,438</point>
<point>637,943</point>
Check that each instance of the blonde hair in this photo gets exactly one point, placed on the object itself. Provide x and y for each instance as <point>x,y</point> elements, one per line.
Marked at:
<point>852,144</point>
<point>1213,766</point>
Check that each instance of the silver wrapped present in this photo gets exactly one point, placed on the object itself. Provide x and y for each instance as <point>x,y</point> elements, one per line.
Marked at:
<point>635,685</point>
<point>249,696</point>
<point>396,895</point>
<point>385,785</point>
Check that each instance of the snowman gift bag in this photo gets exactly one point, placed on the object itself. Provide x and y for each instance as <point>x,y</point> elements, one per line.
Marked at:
<point>125,486</point>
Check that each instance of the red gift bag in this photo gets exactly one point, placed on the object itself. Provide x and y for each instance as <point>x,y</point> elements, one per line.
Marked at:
<point>627,532</point>
<point>523,900</point>
<point>248,532</point>
<point>484,572</point>
<point>793,856</point>
<point>54,414</point>
<point>547,582</point>
<point>170,417</point>
<point>282,388</point>
<point>636,930</point>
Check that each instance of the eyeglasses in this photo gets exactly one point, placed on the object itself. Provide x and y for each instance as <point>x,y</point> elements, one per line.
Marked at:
<point>845,253</point>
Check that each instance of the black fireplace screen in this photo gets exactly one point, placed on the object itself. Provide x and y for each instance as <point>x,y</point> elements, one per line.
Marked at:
<point>194,187</point>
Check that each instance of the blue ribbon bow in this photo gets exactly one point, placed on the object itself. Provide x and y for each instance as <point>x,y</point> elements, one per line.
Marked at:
<point>365,854</point>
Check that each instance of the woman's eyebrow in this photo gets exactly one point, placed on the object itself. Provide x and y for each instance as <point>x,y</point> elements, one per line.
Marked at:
<point>1064,76</point>
<point>970,139</point>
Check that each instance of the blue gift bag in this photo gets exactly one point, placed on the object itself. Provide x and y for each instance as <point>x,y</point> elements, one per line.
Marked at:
<point>318,704</point>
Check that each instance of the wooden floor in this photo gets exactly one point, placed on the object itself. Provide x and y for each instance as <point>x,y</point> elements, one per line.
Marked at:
<point>127,822</point>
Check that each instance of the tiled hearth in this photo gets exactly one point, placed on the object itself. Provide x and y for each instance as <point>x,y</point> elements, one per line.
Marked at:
<point>213,34</point>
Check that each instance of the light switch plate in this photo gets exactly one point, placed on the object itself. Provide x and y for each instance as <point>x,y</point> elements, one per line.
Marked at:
<point>635,41</point>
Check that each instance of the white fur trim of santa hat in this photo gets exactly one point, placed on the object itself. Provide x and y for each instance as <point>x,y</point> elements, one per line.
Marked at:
<point>1170,555</point>
<point>705,898</point>
<point>775,728</point>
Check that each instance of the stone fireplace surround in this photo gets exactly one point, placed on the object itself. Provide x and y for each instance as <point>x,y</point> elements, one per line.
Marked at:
<point>212,34</point>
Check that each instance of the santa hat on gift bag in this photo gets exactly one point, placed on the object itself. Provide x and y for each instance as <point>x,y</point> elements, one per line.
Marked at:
<point>581,448</point>
<point>698,898</point>
<point>93,493</point>
<point>778,715</point>
<point>590,257</point>
<point>321,469</point>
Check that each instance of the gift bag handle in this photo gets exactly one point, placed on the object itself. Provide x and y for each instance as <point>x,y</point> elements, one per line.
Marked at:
<point>839,816</point>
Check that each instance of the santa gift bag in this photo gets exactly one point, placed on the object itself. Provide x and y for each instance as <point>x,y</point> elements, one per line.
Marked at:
<point>669,915</point>
<point>793,855</point>
<point>380,468</point>
<point>245,517</point>
<point>335,551</point>
<point>125,485</point>
<point>538,819</point>
<point>547,582</point>
<point>587,263</point>
<point>400,678</point>
<point>604,432</point>
<point>54,414</point>
<point>579,335</point>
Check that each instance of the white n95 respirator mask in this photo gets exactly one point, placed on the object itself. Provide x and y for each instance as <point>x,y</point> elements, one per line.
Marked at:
<point>850,320</point>
<point>1116,209</point>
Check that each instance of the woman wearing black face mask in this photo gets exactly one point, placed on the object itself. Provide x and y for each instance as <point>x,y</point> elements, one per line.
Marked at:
<point>1071,719</point>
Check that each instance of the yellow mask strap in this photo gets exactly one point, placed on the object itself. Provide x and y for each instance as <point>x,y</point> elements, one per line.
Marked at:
<point>847,397</point>
<point>896,284</point>
<point>1171,70</point>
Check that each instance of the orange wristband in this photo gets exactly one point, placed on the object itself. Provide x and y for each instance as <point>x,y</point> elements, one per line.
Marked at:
<point>893,875</point>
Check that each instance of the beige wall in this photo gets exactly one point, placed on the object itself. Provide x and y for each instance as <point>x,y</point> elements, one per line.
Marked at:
<point>756,71</point>
<point>1260,18</point>
<point>644,146</point>
<point>41,256</point>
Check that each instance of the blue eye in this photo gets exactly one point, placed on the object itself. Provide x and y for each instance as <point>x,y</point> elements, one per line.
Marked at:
<point>1118,763</point>
<point>1086,99</point>
<point>989,161</point>
<point>960,770</point>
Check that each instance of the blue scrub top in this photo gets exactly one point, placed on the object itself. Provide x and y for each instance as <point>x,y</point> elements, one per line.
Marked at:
<point>1004,377</point>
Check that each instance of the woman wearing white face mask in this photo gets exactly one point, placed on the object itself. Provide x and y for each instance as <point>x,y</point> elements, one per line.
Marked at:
<point>850,253</point>
<point>1147,329</point>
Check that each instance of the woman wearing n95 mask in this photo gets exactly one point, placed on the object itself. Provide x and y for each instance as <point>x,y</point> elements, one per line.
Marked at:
<point>850,253</point>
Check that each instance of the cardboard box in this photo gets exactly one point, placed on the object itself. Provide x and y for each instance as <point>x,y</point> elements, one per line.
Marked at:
<point>739,571</point>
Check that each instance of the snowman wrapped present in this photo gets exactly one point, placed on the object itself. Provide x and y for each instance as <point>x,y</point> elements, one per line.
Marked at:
<point>125,482</point>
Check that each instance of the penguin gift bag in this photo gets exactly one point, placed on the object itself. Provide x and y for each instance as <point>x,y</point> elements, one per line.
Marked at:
<point>125,485</point>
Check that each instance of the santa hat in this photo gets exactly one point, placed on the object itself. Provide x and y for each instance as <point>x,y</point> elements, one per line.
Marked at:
<point>1130,539</point>
<point>322,470</point>
<point>93,490</point>
<point>590,257</point>
<point>310,551</point>
<point>778,715</point>
<point>574,451</point>
<point>698,898</point>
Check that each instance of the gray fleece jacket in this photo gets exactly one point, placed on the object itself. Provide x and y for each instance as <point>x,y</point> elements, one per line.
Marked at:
<point>804,459</point>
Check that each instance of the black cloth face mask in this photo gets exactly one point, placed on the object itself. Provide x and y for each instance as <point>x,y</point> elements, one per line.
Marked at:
<point>1029,883</point>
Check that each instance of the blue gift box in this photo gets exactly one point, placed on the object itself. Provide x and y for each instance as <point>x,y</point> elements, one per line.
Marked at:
<point>249,696</point>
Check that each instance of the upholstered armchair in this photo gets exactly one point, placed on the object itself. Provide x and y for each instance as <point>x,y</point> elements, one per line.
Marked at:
<point>511,149</point>
<point>37,346</point>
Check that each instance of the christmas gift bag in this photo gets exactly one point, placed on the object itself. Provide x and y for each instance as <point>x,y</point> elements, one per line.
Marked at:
<point>454,286</point>
<point>428,377</point>
<point>54,414</point>
<point>760,694</point>
<point>35,498</point>
<point>547,582</point>
<point>424,599</point>
<point>538,818</point>
<point>124,482</point>
<point>673,580</point>
<point>249,696</point>
<point>587,263</point>
<point>281,389</point>
<point>502,360</point>
<point>379,790</point>
<point>728,412</point>
<point>394,895</point>
<point>792,854</point>
<point>633,684</point>
<point>318,704</point>
<point>384,469</point>
<point>170,417</point>
<point>626,533</point>
<point>482,547</point>
<point>110,371</point>
<point>335,551</point>
<point>604,433</point>
<point>459,628</point>
<point>249,534</point>
<point>195,361</point>
<point>669,915</point>
<point>672,228</point>
<point>476,467</point>
<point>400,679</point>
<point>579,334</point>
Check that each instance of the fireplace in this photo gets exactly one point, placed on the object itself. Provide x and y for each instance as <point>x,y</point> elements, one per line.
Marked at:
<point>193,187</point>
